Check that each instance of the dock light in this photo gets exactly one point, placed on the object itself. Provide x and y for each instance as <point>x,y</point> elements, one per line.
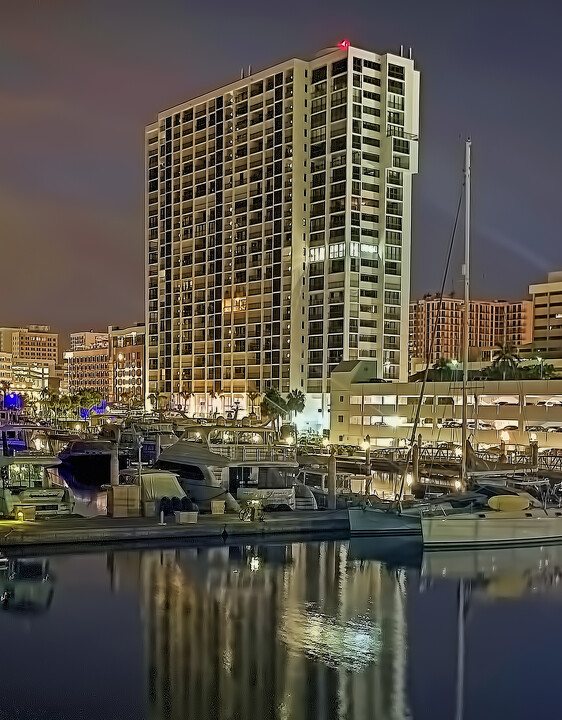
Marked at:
<point>409,479</point>
<point>365,445</point>
<point>19,516</point>
<point>254,563</point>
<point>457,484</point>
<point>325,442</point>
<point>290,440</point>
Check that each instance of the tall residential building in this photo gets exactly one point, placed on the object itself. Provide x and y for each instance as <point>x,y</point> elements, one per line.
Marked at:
<point>490,322</point>
<point>547,314</point>
<point>278,228</point>
<point>127,346</point>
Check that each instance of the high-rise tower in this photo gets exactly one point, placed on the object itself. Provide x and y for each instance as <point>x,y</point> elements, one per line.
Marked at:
<point>278,229</point>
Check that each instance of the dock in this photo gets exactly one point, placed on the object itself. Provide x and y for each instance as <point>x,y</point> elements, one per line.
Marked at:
<point>100,530</point>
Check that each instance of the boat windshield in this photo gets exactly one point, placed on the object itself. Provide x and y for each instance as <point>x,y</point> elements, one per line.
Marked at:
<point>22,475</point>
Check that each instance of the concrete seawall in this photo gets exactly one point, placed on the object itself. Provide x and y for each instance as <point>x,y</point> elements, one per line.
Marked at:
<point>100,530</point>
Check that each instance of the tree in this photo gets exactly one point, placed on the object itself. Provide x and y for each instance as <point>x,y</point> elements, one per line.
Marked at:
<point>505,364</point>
<point>253,395</point>
<point>443,369</point>
<point>186,395</point>
<point>295,402</point>
<point>4,387</point>
<point>273,406</point>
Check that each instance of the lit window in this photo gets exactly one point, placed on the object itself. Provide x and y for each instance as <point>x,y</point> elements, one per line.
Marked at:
<point>317,254</point>
<point>337,250</point>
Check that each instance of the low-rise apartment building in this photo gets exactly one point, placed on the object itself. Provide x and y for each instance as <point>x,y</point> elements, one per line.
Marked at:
<point>512,411</point>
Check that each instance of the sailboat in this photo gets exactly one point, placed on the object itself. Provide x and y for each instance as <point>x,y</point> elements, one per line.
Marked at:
<point>398,518</point>
<point>508,519</point>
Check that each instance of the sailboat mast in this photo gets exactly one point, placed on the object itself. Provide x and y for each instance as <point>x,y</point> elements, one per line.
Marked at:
<point>466,275</point>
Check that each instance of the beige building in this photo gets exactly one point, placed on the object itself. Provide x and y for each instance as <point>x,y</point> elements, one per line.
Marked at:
<point>5,367</point>
<point>490,322</point>
<point>513,411</point>
<point>127,347</point>
<point>547,314</point>
<point>89,367</point>
<point>29,356</point>
<point>278,227</point>
<point>88,339</point>
<point>35,342</point>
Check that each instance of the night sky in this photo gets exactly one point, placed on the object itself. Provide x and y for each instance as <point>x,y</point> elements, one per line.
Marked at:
<point>79,80</point>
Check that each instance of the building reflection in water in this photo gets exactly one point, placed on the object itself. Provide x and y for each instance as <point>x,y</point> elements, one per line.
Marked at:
<point>277,631</point>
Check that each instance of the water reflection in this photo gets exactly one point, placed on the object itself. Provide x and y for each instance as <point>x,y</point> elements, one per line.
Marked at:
<point>287,632</point>
<point>25,585</point>
<point>292,631</point>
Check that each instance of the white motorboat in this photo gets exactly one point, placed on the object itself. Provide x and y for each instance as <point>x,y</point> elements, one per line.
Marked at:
<point>236,464</point>
<point>28,476</point>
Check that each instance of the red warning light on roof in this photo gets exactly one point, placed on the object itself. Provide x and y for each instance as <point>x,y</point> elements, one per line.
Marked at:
<point>344,44</point>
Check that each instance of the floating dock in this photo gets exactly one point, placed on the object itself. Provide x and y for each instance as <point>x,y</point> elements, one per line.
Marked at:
<point>101,529</point>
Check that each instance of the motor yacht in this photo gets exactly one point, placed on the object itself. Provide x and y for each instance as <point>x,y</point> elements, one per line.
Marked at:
<point>237,464</point>
<point>28,474</point>
<point>87,462</point>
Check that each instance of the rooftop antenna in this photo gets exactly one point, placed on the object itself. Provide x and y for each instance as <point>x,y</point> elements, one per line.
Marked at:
<point>401,50</point>
<point>410,55</point>
<point>241,73</point>
<point>249,70</point>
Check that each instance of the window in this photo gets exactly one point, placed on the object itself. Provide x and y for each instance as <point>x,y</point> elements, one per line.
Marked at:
<point>371,65</point>
<point>317,254</point>
<point>340,418</point>
<point>319,74</point>
<point>337,250</point>
<point>340,66</point>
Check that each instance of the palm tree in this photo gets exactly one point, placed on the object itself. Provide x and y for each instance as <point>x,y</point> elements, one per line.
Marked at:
<point>4,386</point>
<point>295,402</point>
<point>186,395</point>
<point>253,395</point>
<point>273,406</point>
<point>506,362</point>
<point>443,368</point>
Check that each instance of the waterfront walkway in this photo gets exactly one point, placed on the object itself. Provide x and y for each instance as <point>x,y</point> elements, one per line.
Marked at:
<point>77,530</point>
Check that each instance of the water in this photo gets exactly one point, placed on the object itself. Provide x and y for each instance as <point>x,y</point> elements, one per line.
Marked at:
<point>289,631</point>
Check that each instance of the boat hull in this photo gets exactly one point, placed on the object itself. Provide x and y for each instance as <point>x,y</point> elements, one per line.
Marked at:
<point>492,529</point>
<point>376,521</point>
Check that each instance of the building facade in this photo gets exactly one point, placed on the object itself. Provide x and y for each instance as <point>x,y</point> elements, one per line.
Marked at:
<point>547,316</point>
<point>127,349</point>
<point>89,367</point>
<point>513,411</point>
<point>28,358</point>
<point>278,225</point>
<point>88,339</point>
<point>35,342</point>
<point>491,322</point>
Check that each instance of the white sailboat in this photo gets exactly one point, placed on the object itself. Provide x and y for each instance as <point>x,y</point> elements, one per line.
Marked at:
<point>508,520</point>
